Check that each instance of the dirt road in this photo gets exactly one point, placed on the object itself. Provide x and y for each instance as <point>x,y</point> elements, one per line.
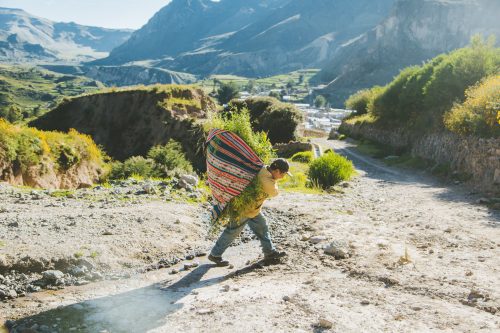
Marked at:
<point>409,255</point>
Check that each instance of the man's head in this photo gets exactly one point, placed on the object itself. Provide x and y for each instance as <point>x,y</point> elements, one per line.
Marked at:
<point>279,168</point>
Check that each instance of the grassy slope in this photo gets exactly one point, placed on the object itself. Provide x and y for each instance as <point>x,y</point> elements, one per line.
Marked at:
<point>30,87</point>
<point>279,81</point>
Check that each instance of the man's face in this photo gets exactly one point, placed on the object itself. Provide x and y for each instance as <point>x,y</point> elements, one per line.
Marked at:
<point>277,174</point>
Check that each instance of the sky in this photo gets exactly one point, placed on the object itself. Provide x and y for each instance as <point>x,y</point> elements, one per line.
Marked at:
<point>131,14</point>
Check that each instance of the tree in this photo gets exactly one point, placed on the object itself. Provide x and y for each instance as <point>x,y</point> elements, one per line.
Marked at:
<point>301,78</point>
<point>227,92</point>
<point>319,101</point>
<point>275,94</point>
<point>14,114</point>
<point>279,120</point>
<point>251,86</point>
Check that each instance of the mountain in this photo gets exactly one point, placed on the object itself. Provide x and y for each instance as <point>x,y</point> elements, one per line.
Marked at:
<point>27,38</point>
<point>251,37</point>
<point>414,32</point>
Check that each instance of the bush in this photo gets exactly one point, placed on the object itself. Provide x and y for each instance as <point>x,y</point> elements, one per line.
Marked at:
<point>330,169</point>
<point>227,92</point>
<point>319,101</point>
<point>458,71</point>
<point>303,157</point>
<point>238,122</point>
<point>27,147</point>
<point>133,166</point>
<point>169,157</point>
<point>478,114</point>
<point>360,100</point>
<point>279,120</point>
<point>161,162</point>
<point>419,95</point>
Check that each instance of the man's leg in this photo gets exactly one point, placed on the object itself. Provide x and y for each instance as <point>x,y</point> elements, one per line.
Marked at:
<point>259,227</point>
<point>226,238</point>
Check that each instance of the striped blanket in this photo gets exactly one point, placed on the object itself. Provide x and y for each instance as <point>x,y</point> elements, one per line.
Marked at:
<point>231,166</point>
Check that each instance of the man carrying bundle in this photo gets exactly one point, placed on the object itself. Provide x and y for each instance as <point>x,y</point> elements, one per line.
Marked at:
<point>240,183</point>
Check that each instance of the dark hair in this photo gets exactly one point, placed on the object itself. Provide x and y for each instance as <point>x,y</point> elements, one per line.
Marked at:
<point>280,164</point>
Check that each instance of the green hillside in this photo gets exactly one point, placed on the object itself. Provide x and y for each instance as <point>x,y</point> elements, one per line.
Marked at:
<point>27,92</point>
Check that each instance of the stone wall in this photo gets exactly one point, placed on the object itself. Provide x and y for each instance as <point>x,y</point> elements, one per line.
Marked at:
<point>288,149</point>
<point>477,157</point>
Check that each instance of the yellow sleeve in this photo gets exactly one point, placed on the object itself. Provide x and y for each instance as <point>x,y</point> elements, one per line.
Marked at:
<point>269,186</point>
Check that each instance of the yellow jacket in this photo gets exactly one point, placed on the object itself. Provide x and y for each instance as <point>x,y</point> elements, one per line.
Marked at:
<point>270,187</point>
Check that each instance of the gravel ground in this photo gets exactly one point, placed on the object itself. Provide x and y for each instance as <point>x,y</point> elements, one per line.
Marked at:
<point>391,251</point>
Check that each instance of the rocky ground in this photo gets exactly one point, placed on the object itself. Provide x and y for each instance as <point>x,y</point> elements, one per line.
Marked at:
<point>392,251</point>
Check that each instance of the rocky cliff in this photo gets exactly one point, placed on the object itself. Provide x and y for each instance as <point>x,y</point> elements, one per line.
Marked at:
<point>129,122</point>
<point>27,38</point>
<point>415,31</point>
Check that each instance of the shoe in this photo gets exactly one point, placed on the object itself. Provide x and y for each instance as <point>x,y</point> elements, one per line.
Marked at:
<point>275,255</point>
<point>218,260</point>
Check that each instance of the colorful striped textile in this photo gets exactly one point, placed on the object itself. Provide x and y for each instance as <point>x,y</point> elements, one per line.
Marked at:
<point>231,166</point>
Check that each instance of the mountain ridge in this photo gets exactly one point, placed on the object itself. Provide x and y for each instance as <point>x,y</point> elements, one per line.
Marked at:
<point>25,38</point>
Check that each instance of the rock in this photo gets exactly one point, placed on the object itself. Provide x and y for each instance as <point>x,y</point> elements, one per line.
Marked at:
<point>190,179</point>
<point>96,276</point>
<point>338,249</point>
<point>84,262</point>
<point>185,185</point>
<point>52,275</point>
<point>190,257</point>
<point>225,288</point>
<point>483,201</point>
<point>365,302</point>
<point>13,224</point>
<point>323,323</point>
<point>286,298</point>
<point>205,311</point>
<point>84,185</point>
<point>344,184</point>
<point>317,239</point>
<point>149,188</point>
<point>305,237</point>
<point>78,270</point>
<point>11,293</point>
<point>174,271</point>
<point>107,233</point>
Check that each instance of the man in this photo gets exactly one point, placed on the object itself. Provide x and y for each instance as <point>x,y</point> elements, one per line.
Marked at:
<point>268,177</point>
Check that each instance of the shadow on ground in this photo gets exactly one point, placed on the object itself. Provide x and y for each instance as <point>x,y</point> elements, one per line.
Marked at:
<point>139,310</point>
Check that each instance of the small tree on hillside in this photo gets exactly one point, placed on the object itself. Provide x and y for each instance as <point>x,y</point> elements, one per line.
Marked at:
<point>251,86</point>
<point>227,92</point>
<point>275,94</point>
<point>319,101</point>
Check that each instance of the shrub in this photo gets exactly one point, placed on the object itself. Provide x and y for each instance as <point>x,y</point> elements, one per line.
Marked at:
<point>169,157</point>
<point>319,101</point>
<point>303,157</point>
<point>133,166</point>
<point>238,122</point>
<point>227,92</point>
<point>330,169</point>
<point>27,147</point>
<point>419,95</point>
<point>279,120</point>
<point>478,114</point>
<point>359,101</point>
<point>458,71</point>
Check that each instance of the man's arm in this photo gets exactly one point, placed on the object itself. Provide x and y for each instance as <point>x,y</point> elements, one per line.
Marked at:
<point>269,186</point>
